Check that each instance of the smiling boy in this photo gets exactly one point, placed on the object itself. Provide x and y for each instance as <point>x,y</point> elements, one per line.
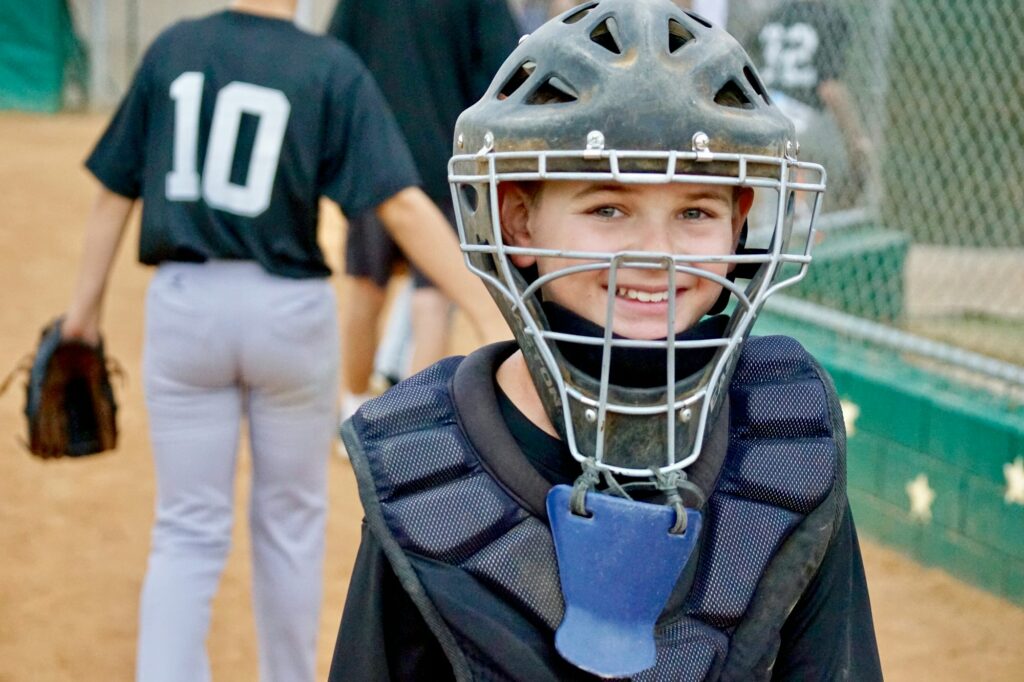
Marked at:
<point>636,488</point>
<point>669,218</point>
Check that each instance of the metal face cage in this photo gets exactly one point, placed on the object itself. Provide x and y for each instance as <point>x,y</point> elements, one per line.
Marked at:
<point>634,432</point>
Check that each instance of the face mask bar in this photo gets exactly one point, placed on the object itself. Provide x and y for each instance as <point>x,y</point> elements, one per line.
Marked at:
<point>676,401</point>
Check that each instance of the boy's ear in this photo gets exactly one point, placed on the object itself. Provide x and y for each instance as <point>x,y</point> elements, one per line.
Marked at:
<point>515,220</point>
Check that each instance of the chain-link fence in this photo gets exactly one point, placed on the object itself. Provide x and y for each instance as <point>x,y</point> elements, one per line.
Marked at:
<point>915,108</point>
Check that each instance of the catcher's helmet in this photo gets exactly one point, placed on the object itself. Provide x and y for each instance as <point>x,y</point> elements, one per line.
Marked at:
<point>629,91</point>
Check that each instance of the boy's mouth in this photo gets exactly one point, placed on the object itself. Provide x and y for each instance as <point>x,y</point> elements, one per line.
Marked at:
<point>642,295</point>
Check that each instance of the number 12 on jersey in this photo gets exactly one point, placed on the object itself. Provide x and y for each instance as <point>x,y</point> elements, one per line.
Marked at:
<point>184,183</point>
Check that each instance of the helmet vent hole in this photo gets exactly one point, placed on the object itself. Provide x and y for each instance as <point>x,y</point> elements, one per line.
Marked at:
<point>677,35</point>
<point>699,19</point>
<point>732,95</point>
<point>604,35</point>
<point>517,79</point>
<point>470,197</point>
<point>553,91</point>
<point>755,83</point>
<point>579,13</point>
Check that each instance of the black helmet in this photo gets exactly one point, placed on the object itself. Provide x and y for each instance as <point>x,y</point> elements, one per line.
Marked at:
<point>629,91</point>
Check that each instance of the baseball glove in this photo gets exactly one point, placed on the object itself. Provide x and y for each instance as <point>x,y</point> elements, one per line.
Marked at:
<point>69,401</point>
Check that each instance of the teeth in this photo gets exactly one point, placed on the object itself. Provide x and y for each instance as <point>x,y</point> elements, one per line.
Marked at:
<point>642,296</point>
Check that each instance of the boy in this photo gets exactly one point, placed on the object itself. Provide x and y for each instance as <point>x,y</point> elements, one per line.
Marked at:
<point>604,184</point>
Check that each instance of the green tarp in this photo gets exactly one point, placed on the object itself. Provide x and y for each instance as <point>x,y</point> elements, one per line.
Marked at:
<point>38,47</point>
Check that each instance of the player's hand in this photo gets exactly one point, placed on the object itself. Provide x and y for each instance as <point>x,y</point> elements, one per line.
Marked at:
<point>81,326</point>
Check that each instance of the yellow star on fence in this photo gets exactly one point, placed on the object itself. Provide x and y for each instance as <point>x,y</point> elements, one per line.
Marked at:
<point>850,413</point>
<point>1014,474</point>
<point>921,498</point>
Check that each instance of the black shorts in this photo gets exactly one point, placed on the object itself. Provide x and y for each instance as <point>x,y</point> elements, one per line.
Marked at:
<point>370,252</point>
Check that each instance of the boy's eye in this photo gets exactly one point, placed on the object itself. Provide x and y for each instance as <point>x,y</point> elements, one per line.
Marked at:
<point>606,212</point>
<point>692,214</point>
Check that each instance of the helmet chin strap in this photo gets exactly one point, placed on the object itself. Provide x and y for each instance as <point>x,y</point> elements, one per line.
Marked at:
<point>632,367</point>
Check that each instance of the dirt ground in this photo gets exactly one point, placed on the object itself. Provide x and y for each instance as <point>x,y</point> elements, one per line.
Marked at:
<point>74,534</point>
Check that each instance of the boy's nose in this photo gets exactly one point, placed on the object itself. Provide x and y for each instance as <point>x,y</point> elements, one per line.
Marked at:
<point>658,237</point>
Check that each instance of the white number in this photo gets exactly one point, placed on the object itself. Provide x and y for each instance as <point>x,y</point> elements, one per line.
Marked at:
<point>272,109</point>
<point>183,180</point>
<point>789,55</point>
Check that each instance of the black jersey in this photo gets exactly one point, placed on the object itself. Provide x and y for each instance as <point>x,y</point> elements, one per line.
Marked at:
<point>234,126</point>
<point>432,59</point>
<point>801,45</point>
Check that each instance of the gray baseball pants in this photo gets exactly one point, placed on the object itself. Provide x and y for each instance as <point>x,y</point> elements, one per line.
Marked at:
<point>226,344</point>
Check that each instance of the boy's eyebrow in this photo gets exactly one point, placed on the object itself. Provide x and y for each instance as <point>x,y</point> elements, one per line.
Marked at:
<point>713,193</point>
<point>596,189</point>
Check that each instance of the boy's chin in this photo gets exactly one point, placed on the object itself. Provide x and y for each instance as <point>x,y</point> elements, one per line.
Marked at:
<point>646,321</point>
<point>647,331</point>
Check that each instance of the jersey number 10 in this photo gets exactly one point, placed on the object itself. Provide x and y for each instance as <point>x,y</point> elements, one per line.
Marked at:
<point>272,109</point>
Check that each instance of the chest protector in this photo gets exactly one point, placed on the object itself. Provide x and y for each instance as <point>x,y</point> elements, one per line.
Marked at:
<point>777,502</point>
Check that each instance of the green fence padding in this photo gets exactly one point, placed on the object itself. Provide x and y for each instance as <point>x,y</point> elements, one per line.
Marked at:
<point>991,520</point>
<point>878,401</point>
<point>971,439</point>
<point>913,422</point>
<point>858,271</point>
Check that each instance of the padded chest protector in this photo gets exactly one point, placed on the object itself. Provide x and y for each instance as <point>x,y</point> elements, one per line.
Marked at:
<point>777,502</point>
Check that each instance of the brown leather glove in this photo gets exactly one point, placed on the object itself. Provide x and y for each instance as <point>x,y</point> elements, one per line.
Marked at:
<point>69,401</point>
